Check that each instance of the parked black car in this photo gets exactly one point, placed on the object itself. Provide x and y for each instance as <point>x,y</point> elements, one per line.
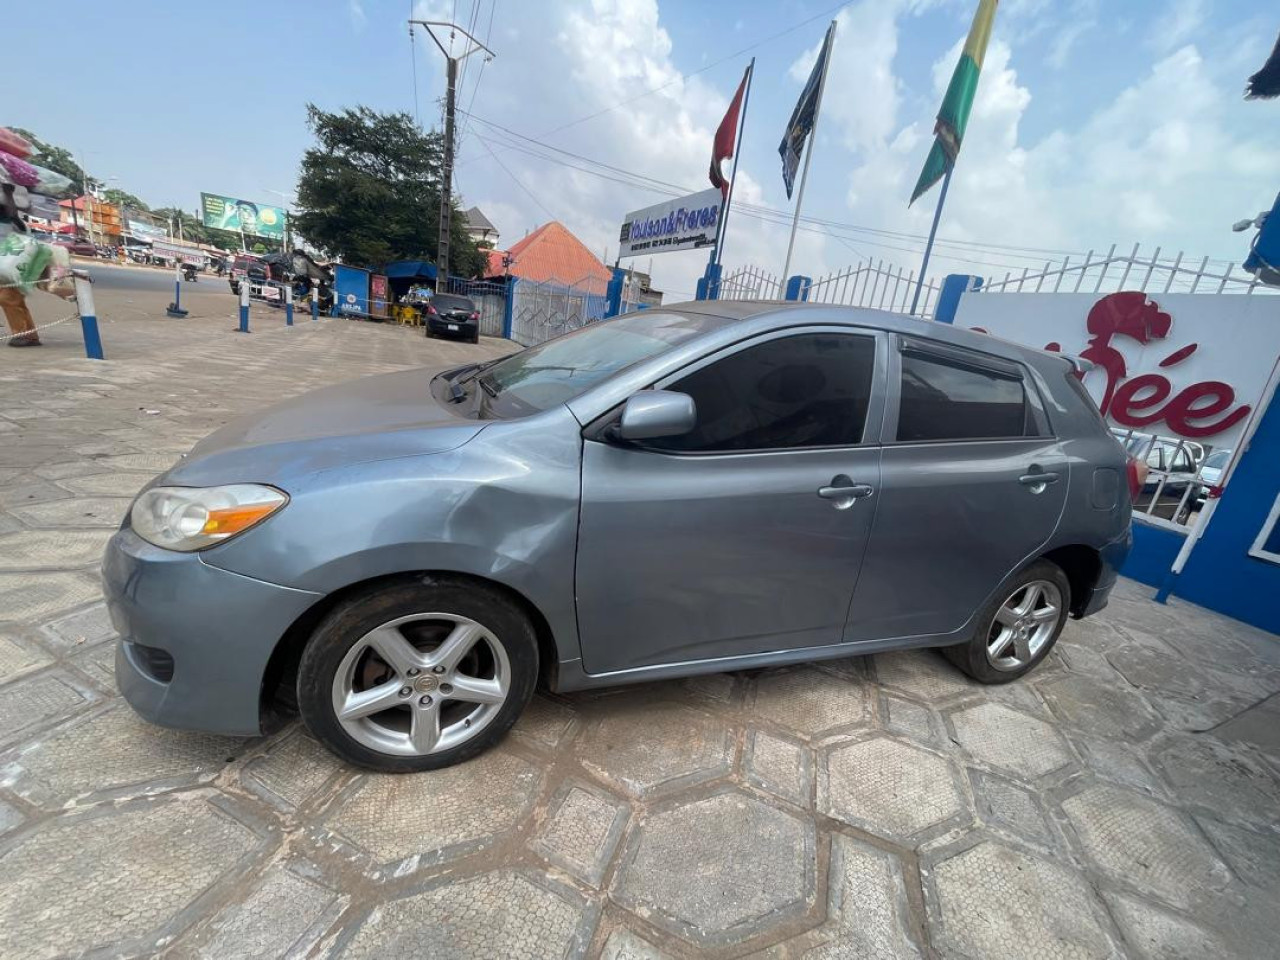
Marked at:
<point>450,315</point>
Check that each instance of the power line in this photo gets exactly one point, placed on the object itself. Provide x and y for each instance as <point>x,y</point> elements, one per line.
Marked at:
<point>514,178</point>
<point>763,213</point>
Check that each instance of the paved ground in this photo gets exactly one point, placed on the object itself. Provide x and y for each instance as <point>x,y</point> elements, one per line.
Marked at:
<point>1121,803</point>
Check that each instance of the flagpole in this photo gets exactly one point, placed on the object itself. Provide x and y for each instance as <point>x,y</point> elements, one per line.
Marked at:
<point>808,153</point>
<point>733,177</point>
<point>928,247</point>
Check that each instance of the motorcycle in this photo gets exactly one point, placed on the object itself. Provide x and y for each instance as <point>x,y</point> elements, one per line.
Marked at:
<point>189,272</point>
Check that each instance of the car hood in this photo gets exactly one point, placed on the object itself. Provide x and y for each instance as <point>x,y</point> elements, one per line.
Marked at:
<point>373,418</point>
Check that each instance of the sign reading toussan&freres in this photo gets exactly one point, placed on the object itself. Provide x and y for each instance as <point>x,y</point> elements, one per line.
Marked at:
<point>682,224</point>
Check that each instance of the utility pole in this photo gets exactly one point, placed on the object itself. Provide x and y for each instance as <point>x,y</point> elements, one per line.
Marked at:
<point>446,177</point>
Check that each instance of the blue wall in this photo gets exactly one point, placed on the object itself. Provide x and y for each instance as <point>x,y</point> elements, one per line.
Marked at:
<point>1154,550</point>
<point>1220,573</point>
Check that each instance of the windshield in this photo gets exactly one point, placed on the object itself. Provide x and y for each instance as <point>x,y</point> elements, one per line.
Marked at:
<point>559,370</point>
<point>445,301</point>
<point>1217,460</point>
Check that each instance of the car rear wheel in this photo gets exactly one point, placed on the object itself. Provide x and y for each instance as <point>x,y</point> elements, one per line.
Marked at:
<point>1019,627</point>
<point>417,676</point>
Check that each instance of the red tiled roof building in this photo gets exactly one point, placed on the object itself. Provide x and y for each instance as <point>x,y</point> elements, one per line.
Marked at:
<point>552,254</point>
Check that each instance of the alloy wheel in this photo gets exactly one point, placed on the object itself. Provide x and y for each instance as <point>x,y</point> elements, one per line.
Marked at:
<point>1023,624</point>
<point>421,684</point>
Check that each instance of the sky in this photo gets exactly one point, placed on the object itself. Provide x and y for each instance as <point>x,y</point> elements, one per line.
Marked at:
<point>1096,121</point>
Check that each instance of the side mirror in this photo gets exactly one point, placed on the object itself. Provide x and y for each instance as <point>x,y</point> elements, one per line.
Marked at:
<point>651,414</point>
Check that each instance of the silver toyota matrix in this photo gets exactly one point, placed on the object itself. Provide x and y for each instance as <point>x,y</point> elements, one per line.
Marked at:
<point>692,489</point>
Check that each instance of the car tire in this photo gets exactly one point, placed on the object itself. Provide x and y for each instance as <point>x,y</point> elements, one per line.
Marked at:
<point>1015,631</point>
<point>340,662</point>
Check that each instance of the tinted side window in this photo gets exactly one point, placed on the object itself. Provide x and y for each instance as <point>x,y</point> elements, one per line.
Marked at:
<point>946,401</point>
<point>810,390</point>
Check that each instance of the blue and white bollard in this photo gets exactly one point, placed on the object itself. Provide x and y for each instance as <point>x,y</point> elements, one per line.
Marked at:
<point>288,304</point>
<point>175,308</point>
<point>88,319</point>
<point>315,302</point>
<point>244,306</point>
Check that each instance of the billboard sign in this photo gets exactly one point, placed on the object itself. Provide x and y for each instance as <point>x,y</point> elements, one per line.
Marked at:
<point>686,223</point>
<point>242,216</point>
<point>1190,365</point>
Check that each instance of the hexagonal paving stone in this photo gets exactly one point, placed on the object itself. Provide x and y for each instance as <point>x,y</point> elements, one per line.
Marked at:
<point>18,656</point>
<point>82,628</point>
<point>544,721</point>
<point>28,704</point>
<point>810,701</point>
<point>1104,710</point>
<point>646,748</point>
<point>720,869</point>
<point>1136,841</point>
<point>1224,779</point>
<point>449,812</point>
<point>997,902</point>
<point>1149,669</point>
<point>294,769</point>
<point>80,512</point>
<point>625,945</point>
<point>888,788</point>
<point>908,719</point>
<point>583,827</point>
<point>923,674</point>
<point>107,484</point>
<point>33,597</point>
<point>779,767</point>
<point>282,915</point>
<point>1156,934</point>
<point>1006,806</point>
<point>867,913</point>
<point>503,914</point>
<point>39,550</point>
<point>112,879</point>
<point>114,751</point>
<point>1013,741</point>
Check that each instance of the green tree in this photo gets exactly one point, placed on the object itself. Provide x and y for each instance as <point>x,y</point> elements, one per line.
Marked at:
<point>123,198</point>
<point>369,191</point>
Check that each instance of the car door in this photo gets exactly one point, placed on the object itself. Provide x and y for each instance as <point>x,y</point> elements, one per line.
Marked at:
<point>747,534</point>
<point>972,483</point>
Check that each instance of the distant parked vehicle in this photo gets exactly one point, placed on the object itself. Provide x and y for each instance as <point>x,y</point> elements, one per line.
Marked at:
<point>79,248</point>
<point>450,315</point>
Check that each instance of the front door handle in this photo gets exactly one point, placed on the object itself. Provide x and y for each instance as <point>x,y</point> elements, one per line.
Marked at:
<point>844,492</point>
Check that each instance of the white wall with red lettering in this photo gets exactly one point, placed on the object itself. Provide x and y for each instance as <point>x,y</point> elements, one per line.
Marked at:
<point>1174,364</point>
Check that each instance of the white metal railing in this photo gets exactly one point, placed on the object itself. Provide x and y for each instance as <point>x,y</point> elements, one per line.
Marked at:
<point>879,286</point>
<point>751,283</point>
<point>1111,272</point>
<point>546,309</point>
<point>1176,488</point>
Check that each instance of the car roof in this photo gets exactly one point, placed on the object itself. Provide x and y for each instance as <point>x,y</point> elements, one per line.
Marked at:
<point>747,310</point>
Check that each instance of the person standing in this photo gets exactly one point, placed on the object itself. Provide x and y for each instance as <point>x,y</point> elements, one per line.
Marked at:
<point>12,299</point>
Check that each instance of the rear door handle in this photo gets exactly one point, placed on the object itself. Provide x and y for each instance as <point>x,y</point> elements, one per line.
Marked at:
<point>1038,482</point>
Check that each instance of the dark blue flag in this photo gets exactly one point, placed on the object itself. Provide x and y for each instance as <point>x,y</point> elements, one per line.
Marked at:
<point>802,118</point>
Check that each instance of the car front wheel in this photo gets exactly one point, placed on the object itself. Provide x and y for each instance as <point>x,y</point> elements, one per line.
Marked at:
<point>1018,628</point>
<point>417,676</point>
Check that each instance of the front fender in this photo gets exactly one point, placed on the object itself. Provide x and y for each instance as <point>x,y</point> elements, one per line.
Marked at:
<point>503,507</point>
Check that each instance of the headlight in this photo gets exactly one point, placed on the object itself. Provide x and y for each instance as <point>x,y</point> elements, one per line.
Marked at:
<point>192,518</point>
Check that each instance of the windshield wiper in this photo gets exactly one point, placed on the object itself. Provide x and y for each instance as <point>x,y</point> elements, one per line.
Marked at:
<point>489,388</point>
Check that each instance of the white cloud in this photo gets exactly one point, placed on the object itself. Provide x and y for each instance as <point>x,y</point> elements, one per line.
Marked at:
<point>1178,24</point>
<point>355,10</point>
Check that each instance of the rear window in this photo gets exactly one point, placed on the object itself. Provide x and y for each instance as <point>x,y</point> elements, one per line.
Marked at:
<point>944,400</point>
<point>448,301</point>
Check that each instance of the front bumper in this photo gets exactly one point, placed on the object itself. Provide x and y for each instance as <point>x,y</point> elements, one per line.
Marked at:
<point>220,629</point>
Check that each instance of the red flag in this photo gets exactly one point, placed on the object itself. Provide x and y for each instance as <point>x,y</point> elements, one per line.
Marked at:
<point>723,146</point>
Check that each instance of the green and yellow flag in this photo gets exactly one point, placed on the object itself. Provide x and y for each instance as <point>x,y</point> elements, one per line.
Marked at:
<point>954,114</point>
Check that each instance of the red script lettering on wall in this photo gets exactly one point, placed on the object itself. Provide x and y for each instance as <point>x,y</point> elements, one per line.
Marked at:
<point>1145,399</point>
